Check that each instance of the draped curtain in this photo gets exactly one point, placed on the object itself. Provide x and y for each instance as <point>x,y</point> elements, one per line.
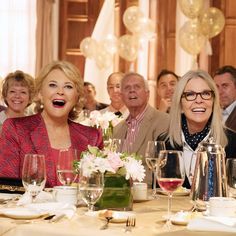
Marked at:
<point>17,38</point>
<point>44,33</point>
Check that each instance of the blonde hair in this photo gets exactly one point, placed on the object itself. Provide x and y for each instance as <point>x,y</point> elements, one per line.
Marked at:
<point>216,126</point>
<point>24,79</point>
<point>72,73</point>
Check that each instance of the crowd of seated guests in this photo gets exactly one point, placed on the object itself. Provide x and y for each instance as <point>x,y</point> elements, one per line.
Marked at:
<point>188,114</point>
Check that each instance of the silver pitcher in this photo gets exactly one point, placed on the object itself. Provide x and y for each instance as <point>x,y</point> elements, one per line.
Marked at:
<point>209,178</point>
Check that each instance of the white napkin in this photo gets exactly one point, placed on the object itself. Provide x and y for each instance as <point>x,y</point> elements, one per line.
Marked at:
<point>42,197</point>
<point>54,208</point>
<point>213,223</point>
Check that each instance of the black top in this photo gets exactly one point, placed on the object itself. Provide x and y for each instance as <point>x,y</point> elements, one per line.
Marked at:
<point>230,149</point>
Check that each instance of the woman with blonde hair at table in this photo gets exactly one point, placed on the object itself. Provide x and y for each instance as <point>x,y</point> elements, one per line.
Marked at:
<point>195,117</point>
<point>17,93</point>
<point>59,89</point>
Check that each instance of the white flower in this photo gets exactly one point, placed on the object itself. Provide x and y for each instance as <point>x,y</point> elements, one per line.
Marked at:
<point>105,160</point>
<point>134,169</point>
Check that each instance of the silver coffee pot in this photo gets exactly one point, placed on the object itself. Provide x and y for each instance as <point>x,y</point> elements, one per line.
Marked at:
<point>209,178</point>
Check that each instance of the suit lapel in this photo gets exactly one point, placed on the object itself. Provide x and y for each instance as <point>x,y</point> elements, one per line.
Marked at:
<point>143,129</point>
<point>39,137</point>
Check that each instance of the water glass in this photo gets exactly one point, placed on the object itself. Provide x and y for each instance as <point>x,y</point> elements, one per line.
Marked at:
<point>231,176</point>
<point>91,187</point>
<point>65,166</point>
<point>34,174</point>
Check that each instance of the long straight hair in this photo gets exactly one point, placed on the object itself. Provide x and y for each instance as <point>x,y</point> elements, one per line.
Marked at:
<point>216,126</point>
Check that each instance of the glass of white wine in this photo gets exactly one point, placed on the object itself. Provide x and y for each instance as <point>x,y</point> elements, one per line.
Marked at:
<point>151,157</point>
<point>91,187</point>
<point>34,174</point>
<point>65,166</point>
<point>231,176</point>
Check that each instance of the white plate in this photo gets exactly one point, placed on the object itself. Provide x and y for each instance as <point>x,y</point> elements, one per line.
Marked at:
<point>8,196</point>
<point>149,198</point>
<point>118,216</point>
<point>20,213</point>
<point>184,192</point>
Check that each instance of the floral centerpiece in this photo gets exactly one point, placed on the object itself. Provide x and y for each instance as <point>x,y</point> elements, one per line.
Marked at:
<point>119,169</point>
<point>106,121</point>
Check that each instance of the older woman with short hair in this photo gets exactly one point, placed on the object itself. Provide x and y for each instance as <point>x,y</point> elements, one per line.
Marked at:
<point>195,117</point>
<point>17,93</point>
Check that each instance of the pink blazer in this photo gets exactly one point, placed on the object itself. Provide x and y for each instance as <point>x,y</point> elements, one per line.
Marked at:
<point>29,135</point>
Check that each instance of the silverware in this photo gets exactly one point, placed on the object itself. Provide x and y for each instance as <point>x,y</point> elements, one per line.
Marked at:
<point>56,218</point>
<point>105,226</point>
<point>130,223</point>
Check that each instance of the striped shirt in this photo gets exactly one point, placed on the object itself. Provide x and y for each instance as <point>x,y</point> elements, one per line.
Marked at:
<point>132,131</point>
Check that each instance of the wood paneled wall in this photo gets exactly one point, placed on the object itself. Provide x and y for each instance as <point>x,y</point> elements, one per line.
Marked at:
<point>78,17</point>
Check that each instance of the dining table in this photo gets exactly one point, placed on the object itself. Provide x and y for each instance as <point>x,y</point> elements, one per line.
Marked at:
<point>149,215</point>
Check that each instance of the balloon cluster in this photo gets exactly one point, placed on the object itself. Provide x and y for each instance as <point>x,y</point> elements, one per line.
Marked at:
<point>202,25</point>
<point>127,45</point>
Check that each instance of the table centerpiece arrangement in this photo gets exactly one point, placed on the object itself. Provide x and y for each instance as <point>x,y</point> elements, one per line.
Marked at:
<point>120,170</point>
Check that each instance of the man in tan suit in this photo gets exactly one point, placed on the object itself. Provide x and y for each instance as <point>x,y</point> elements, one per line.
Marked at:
<point>144,122</point>
<point>225,79</point>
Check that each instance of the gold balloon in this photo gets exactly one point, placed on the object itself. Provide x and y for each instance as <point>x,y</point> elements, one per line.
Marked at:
<point>131,17</point>
<point>144,27</point>
<point>103,58</point>
<point>128,47</point>
<point>110,43</point>
<point>88,47</point>
<point>212,22</point>
<point>191,8</point>
<point>190,37</point>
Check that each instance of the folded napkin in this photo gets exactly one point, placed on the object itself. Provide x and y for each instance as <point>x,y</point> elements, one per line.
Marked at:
<point>42,197</point>
<point>213,223</point>
<point>53,208</point>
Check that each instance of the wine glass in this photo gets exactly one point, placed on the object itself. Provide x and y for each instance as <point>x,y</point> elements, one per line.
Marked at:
<point>231,176</point>
<point>170,174</point>
<point>91,187</point>
<point>65,166</point>
<point>34,174</point>
<point>151,157</point>
<point>116,145</point>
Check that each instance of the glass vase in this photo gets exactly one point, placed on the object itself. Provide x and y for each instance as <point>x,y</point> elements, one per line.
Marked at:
<point>117,193</point>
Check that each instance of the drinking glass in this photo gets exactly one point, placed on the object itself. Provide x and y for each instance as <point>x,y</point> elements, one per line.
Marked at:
<point>151,157</point>
<point>170,174</point>
<point>65,166</point>
<point>116,145</point>
<point>231,176</point>
<point>91,187</point>
<point>34,174</point>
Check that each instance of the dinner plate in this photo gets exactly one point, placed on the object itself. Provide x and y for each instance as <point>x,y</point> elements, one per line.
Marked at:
<point>8,196</point>
<point>118,216</point>
<point>149,198</point>
<point>21,213</point>
<point>183,192</point>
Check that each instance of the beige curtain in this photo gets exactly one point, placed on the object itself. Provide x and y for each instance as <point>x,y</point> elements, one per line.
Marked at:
<point>44,37</point>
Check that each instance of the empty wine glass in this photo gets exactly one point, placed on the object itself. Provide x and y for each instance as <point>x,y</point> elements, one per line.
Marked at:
<point>91,187</point>
<point>34,174</point>
<point>231,176</point>
<point>151,157</point>
<point>65,166</point>
<point>116,145</point>
<point>170,174</point>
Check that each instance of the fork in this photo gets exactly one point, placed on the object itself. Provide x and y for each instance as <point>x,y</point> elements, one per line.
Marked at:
<point>130,223</point>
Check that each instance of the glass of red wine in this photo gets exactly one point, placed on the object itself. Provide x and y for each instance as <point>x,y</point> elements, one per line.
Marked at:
<point>170,175</point>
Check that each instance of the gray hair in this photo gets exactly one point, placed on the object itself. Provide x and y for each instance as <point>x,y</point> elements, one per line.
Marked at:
<point>129,74</point>
<point>216,126</point>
